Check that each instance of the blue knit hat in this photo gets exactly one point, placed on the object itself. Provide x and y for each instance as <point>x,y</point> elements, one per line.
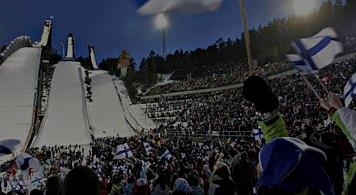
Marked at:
<point>182,185</point>
<point>290,165</point>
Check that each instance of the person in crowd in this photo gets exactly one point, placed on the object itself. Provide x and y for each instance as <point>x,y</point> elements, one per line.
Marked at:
<point>345,118</point>
<point>160,186</point>
<point>194,181</point>
<point>181,187</point>
<point>220,182</point>
<point>81,180</point>
<point>243,174</point>
<point>53,185</point>
<point>36,192</point>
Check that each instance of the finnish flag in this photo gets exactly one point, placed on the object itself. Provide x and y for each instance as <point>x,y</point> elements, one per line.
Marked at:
<point>151,7</point>
<point>8,146</point>
<point>258,134</point>
<point>350,90</point>
<point>316,52</point>
<point>147,146</point>
<point>167,155</point>
<point>25,161</point>
<point>123,151</point>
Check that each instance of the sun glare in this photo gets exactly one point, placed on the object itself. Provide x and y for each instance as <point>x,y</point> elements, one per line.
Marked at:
<point>303,7</point>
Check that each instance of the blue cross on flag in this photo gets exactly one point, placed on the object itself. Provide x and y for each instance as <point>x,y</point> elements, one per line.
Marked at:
<point>25,161</point>
<point>258,134</point>
<point>8,146</point>
<point>316,52</point>
<point>148,147</point>
<point>123,151</point>
<point>167,155</point>
<point>350,90</point>
<point>151,7</point>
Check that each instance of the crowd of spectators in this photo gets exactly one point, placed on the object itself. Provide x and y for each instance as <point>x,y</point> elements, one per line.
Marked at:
<point>221,75</point>
<point>200,165</point>
<point>226,110</point>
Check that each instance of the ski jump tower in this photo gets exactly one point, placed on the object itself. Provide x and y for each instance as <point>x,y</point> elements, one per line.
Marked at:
<point>92,57</point>
<point>70,48</point>
<point>46,38</point>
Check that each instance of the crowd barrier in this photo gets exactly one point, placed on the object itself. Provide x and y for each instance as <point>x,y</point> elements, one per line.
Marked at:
<point>220,134</point>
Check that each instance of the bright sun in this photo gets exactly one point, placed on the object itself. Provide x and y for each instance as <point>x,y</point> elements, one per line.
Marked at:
<point>303,7</point>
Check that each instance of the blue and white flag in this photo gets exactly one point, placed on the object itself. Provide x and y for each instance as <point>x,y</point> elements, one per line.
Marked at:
<point>123,151</point>
<point>258,134</point>
<point>350,90</point>
<point>25,161</point>
<point>316,52</point>
<point>148,147</point>
<point>8,146</point>
<point>151,7</point>
<point>167,155</point>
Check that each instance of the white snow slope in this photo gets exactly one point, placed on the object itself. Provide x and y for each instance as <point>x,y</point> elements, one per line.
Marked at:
<point>18,82</point>
<point>65,121</point>
<point>107,114</point>
<point>133,113</point>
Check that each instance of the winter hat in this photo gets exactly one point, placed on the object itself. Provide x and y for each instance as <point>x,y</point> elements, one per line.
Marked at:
<point>141,182</point>
<point>182,185</point>
<point>290,165</point>
<point>256,90</point>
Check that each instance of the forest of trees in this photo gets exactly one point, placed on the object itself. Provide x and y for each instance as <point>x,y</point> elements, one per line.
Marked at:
<point>269,43</point>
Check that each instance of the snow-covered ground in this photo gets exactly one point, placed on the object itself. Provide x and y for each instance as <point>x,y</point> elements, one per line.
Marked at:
<point>107,113</point>
<point>18,82</point>
<point>134,113</point>
<point>65,121</point>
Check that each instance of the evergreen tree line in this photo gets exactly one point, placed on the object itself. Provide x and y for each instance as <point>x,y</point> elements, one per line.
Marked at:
<point>269,43</point>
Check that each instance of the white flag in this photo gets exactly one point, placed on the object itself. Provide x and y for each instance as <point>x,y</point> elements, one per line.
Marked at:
<point>25,162</point>
<point>123,151</point>
<point>147,146</point>
<point>350,90</point>
<point>258,134</point>
<point>8,146</point>
<point>316,52</point>
<point>166,155</point>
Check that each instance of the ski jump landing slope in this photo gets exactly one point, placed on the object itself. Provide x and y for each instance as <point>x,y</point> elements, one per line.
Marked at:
<point>66,120</point>
<point>18,82</point>
<point>133,113</point>
<point>107,114</point>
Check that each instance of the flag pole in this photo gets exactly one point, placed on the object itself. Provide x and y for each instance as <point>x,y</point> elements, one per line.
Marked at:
<point>246,34</point>
<point>322,84</point>
<point>310,86</point>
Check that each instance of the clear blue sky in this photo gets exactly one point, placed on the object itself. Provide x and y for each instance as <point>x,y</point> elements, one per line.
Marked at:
<point>112,25</point>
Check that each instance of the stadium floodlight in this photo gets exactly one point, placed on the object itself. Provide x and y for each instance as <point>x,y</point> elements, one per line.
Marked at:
<point>161,21</point>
